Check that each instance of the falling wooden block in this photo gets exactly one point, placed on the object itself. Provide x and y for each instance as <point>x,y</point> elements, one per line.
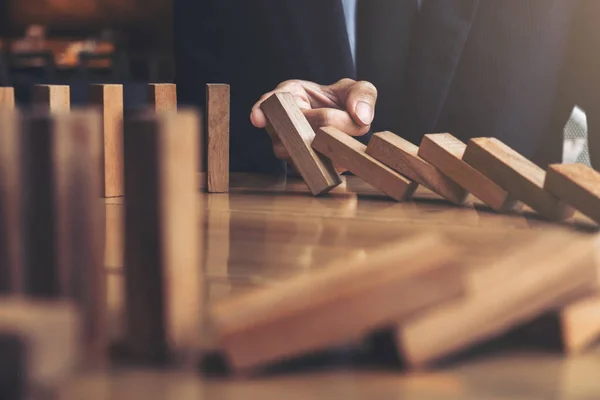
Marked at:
<point>217,104</point>
<point>577,185</point>
<point>515,289</point>
<point>521,178</point>
<point>162,97</point>
<point>296,134</point>
<point>350,154</point>
<point>402,156</point>
<point>64,222</point>
<point>337,304</point>
<point>110,100</point>
<point>54,98</point>
<point>162,260</point>
<point>445,152</point>
<point>48,338</point>
<point>7,97</point>
<point>11,209</point>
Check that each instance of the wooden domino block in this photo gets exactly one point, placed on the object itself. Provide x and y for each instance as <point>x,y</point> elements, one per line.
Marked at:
<point>110,100</point>
<point>577,185</point>
<point>337,304</point>
<point>55,98</point>
<point>162,97</point>
<point>7,97</point>
<point>521,178</point>
<point>515,289</point>
<point>162,260</point>
<point>350,154</point>
<point>296,135</point>
<point>64,223</point>
<point>11,209</point>
<point>217,107</point>
<point>445,152</point>
<point>402,156</point>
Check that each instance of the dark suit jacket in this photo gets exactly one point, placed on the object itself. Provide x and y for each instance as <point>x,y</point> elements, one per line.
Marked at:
<point>512,69</point>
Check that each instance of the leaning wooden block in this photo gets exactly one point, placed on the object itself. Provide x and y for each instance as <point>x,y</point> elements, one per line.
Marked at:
<point>337,304</point>
<point>350,154</point>
<point>162,97</point>
<point>297,135</point>
<point>162,237</point>
<point>110,100</point>
<point>516,288</point>
<point>7,97</point>
<point>577,185</point>
<point>445,152</point>
<point>217,136</point>
<point>402,156</point>
<point>54,98</point>
<point>517,175</point>
<point>49,333</point>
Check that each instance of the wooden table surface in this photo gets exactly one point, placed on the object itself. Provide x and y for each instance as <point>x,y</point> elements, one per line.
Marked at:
<point>267,229</point>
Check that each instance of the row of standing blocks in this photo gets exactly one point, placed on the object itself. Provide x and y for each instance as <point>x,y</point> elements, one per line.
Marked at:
<point>485,167</point>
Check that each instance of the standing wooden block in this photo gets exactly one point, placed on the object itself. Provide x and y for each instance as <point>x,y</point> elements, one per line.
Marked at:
<point>351,154</point>
<point>162,97</point>
<point>337,304</point>
<point>518,287</point>
<point>445,152</point>
<point>11,187</point>
<point>217,104</point>
<point>577,185</point>
<point>162,260</point>
<point>64,223</point>
<point>110,100</point>
<point>55,98</point>
<point>402,156</point>
<point>7,97</point>
<point>296,134</point>
<point>521,178</point>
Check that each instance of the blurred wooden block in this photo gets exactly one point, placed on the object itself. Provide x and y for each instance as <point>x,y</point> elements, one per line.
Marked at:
<point>217,104</point>
<point>7,97</point>
<point>577,185</point>
<point>110,100</point>
<point>445,152</point>
<point>47,336</point>
<point>515,289</point>
<point>337,304</point>
<point>580,323</point>
<point>11,197</point>
<point>296,135</point>
<point>521,178</point>
<point>54,98</point>
<point>349,153</point>
<point>402,156</point>
<point>162,97</point>
<point>162,260</point>
<point>65,222</point>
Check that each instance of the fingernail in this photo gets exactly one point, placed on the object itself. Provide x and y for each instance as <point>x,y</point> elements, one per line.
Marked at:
<point>364,112</point>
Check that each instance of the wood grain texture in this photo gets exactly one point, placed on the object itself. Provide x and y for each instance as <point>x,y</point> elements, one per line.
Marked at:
<point>162,260</point>
<point>54,98</point>
<point>514,173</point>
<point>577,185</point>
<point>110,100</point>
<point>162,97</point>
<point>349,153</point>
<point>402,156</point>
<point>297,135</point>
<point>7,97</point>
<point>339,303</point>
<point>539,281</point>
<point>11,197</point>
<point>445,152</point>
<point>217,135</point>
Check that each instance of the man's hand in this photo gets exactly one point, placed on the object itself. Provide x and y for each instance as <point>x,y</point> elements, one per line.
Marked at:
<point>347,105</point>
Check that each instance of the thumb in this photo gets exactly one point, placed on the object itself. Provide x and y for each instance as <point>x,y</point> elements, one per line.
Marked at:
<point>360,98</point>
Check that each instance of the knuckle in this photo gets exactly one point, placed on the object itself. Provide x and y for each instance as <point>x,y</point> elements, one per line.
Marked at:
<point>368,87</point>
